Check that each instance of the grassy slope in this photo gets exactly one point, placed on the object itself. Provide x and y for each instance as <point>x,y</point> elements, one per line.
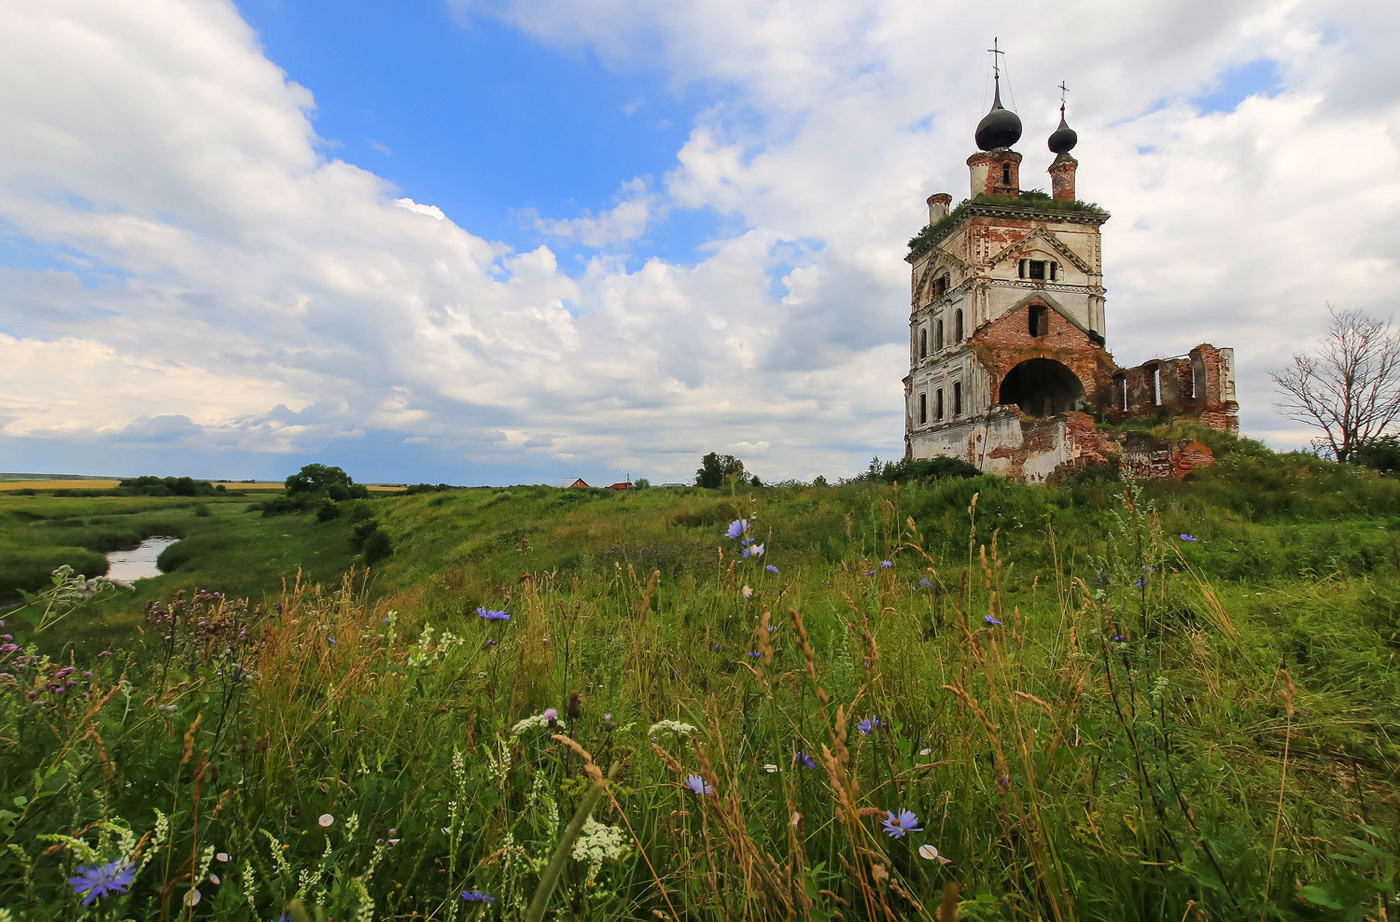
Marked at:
<point>1104,744</point>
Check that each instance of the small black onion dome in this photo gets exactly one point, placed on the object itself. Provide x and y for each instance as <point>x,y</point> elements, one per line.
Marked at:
<point>1063,139</point>
<point>999,127</point>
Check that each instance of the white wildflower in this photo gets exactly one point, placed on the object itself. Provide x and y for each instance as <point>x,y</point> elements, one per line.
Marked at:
<point>674,726</point>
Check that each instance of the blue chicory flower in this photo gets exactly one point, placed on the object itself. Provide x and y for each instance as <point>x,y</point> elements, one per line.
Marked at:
<point>990,620</point>
<point>737,528</point>
<point>698,785</point>
<point>1189,538</point>
<point>489,615</point>
<point>868,724</point>
<point>771,569</point>
<point>887,564</point>
<point>925,582</point>
<point>98,880</point>
<point>805,760</point>
<point>476,896</point>
<point>753,550</point>
<point>898,825</point>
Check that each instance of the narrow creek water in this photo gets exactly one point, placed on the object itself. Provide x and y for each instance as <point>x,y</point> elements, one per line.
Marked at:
<point>138,562</point>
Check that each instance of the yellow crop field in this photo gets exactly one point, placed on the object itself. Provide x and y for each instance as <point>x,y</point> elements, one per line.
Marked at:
<point>57,485</point>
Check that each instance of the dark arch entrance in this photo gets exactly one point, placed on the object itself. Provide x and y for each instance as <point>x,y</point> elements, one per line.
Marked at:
<point>1042,387</point>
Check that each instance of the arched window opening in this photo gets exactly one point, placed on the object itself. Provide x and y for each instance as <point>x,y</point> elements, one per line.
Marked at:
<point>938,336</point>
<point>1039,320</point>
<point>1042,387</point>
<point>923,343</point>
<point>923,409</point>
<point>1120,387</point>
<point>1154,380</point>
<point>957,398</point>
<point>938,403</point>
<point>957,326</point>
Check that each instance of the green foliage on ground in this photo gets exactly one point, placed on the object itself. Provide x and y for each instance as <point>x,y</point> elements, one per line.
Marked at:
<point>1099,702</point>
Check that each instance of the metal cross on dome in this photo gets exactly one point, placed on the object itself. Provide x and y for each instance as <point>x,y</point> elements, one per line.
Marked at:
<point>994,51</point>
<point>1063,90</point>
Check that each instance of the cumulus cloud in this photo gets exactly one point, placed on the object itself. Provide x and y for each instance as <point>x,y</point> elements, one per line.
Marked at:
<point>219,280</point>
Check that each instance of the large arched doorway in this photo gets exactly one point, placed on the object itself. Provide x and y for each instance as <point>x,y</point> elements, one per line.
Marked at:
<point>1042,387</point>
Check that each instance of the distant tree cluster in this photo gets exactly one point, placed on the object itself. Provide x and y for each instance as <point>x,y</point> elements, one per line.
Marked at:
<point>417,488</point>
<point>319,487</point>
<point>716,470</point>
<point>167,486</point>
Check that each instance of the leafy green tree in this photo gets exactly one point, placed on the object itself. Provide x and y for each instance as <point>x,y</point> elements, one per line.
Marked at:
<point>715,469</point>
<point>1382,454</point>
<point>318,479</point>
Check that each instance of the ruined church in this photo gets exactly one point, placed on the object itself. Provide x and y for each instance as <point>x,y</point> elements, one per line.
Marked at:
<point>1008,362</point>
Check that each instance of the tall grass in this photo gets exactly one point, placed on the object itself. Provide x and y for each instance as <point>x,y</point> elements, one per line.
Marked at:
<point>1094,730</point>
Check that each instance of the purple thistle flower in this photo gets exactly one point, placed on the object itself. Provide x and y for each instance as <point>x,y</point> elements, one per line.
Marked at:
<point>490,615</point>
<point>992,621</point>
<point>98,880</point>
<point>887,564</point>
<point>550,714</point>
<point>698,785</point>
<point>477,896</point>
<point>737,528</point>
<point>1189,538</point>
<point>805,760</point>
<point>771,569</point>
<point>898,825</point>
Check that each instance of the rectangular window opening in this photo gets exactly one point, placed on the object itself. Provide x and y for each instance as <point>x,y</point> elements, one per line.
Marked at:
<point>1038,269</point>
<point>1156,385</point>
<point>923,408</point>
<point>957,398</point>
<point>938,403</point>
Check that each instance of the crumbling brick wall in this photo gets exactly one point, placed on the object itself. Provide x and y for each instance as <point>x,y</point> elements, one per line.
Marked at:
<point>1199,385</point>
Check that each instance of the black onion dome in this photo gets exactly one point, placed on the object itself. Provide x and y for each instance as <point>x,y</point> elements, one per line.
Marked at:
<point>1063,139</point>
<point>999,127</point>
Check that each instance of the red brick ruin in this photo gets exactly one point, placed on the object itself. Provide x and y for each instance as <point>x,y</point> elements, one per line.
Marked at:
<point>1008,368</point>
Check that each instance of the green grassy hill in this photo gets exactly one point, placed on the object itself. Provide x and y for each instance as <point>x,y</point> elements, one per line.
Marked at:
<point>1095,701</point>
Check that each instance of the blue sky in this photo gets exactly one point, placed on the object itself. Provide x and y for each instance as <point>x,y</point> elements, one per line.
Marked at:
<point>495,241</point>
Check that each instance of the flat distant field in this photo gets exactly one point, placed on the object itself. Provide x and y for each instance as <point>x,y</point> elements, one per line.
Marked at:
<point>97,483</point>
<point>93,484</point>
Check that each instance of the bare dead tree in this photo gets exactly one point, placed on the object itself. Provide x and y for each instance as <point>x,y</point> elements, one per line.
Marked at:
<point>1349,386</point>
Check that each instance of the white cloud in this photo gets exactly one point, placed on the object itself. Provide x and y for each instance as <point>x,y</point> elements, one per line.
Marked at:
<point>225,283</point>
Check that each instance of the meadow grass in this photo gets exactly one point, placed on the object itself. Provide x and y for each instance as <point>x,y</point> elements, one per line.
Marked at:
<point>1089,715</point>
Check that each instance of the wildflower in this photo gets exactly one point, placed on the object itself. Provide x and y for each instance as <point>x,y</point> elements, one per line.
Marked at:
<point>805,760</point>
<point>737,528</point>
<point>868,724</point>
<point>1120,638</point>
<point>929,853</point>
<point>674,726</point>
<point>608,722</point>
<point>1189,538</point>
<point>326,820</point>
<point>753,550</point>
<point>1142,581</point>
<point>925,582</point>
<point>992,621</point>
<point>771,569</point>
<point>754,654</point>
<point>98,880</point>
<point>887,564</point>
<point>490,615</point>
<point>698,785</point>
<point>898,825</point>
<point>746,592</point>
<point>476,896</point>
<point>331,639</point>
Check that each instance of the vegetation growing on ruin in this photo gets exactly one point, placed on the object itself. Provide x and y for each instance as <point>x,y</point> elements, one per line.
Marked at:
<point>1094,701</point>
<point>926,238</point>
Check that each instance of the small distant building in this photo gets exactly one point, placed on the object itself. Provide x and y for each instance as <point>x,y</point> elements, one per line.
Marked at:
<point>623,485</point>
<point>576,484</point>
<point>1008,365</point>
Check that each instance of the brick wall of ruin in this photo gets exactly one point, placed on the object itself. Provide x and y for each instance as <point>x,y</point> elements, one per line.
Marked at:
<point>1200,386</point>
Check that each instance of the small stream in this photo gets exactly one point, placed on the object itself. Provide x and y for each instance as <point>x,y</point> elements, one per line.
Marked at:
<point>140,561</point>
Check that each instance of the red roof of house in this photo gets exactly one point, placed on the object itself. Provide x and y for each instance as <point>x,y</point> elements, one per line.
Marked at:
<point>620,486</point>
